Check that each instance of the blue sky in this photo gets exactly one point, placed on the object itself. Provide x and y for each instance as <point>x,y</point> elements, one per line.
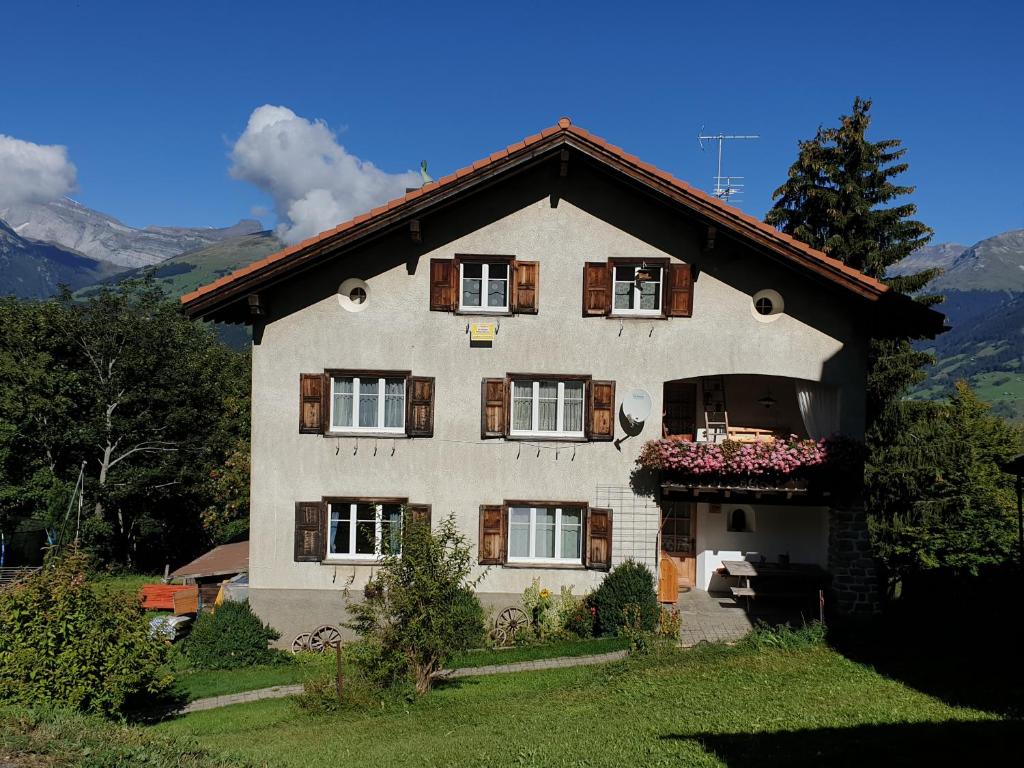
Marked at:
<point>150,97</point>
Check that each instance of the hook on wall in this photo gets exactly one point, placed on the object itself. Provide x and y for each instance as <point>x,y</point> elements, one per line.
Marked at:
<point>356,449</point>
<point>620,326</point>
<point>375,443</point>
<point>394,445</point>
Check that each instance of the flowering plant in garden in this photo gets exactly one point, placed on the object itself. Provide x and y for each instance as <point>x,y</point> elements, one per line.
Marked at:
<point>774,459</point>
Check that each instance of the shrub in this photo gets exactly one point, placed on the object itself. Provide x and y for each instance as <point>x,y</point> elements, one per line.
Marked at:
<point>628,583</point>
<point>231,636</point>
<point>580,620</point>
<point>63,641</point>
<point>419,608</point>
<point>320,693</point>
<point>669,623</point>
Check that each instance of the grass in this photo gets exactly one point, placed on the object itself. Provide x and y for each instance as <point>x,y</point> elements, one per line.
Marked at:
<point>711,706</point>
<point>127,584</point>
<point>58,738</point>
<point>202,684</point>
<point>553,650</point>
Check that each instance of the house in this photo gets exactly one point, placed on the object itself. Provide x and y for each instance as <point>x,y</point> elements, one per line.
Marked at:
<point>475,348</point>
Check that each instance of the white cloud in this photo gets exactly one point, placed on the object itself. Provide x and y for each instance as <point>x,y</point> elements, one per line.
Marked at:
<point>314,182</point>
<point>33,173</point>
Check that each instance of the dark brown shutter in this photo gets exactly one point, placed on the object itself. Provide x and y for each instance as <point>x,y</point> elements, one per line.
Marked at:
<point>599,539</point>
<point>419,411</point>
<point>309,531</point>
<point>443,279</point>
<point>312,403</point>
<point>527,287</point>
<point>493,407</point>
<point>597,288</point>
<point>492,543</point>
<point>601,421</point>
<point>678,299</point>
<point>419,513</point>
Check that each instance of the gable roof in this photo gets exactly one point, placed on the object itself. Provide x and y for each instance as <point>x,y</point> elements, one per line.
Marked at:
<point>207,300</point>
<point>219,561</point>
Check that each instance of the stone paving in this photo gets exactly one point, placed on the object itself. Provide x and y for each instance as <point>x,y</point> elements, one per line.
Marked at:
<point>710,618</point>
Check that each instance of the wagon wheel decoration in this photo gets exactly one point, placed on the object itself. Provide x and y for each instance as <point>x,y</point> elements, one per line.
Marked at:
<point>324,637</point>
<point>509,622</point>
<point>301,642</point>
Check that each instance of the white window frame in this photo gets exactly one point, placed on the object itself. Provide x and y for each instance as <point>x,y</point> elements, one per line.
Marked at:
<point>352,519</point>
<point>636,310</point>
<point>532,558</point>
<point>484,281</point>
<point>559,430</point>
<point>381,383</point>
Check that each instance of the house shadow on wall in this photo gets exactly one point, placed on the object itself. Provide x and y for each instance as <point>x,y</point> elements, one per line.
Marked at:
<point>949,743</point>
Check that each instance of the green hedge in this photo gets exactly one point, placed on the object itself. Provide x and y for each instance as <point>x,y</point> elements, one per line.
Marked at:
<point>629,583</point>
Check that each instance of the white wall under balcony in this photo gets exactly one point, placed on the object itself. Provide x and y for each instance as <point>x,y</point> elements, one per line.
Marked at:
<point>800,532</point>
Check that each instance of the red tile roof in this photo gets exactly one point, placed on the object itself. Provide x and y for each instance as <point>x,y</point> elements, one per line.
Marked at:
<point>242,281</point>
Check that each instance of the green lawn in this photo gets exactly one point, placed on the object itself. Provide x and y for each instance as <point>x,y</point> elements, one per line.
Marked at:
<point>711,706</point>
<point>201,684</point>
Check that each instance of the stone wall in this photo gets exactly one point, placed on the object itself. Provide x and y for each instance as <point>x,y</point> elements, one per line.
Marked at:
<point>854,571</point>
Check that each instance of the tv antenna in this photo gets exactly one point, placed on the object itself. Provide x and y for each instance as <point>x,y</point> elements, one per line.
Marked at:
<point>726,187</point>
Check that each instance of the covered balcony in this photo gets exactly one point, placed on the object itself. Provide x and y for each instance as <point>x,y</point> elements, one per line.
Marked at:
<point>751,435</point>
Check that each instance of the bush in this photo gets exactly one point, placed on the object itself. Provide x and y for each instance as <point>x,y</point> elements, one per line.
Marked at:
<point>669,623</point>
<point>231,636</point>
<point>580,620</point>
<point>63,641</point>
<point>419,608</point>
<point>628,583</point>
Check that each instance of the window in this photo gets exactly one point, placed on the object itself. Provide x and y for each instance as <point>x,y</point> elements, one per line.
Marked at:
<point>547,407</point>
<point>484,286</point>
<point>767,305</point>
<point>545,534</point>
<point>367,404</point>
<point>637,290</point>
<point>353,295</point>
<point>364,530</point>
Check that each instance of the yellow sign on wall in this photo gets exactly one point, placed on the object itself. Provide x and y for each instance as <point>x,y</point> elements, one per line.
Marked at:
<point>481,331</point>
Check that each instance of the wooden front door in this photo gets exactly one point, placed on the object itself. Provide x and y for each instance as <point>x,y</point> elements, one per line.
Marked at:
<point>678,561</point>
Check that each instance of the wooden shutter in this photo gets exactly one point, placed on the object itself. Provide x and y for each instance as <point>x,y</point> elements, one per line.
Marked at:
<point>312,403</point>
<point>597,288</point>
<point>601,419</point>
<point>493,407</point>
<point>527,287</point>
<point>492,544</point>
<point>419,406</point>
<point>599,539</point>
<point>309,531</point>
<point>678,298</point>
<point>419,513</point>
<point>443,285</point>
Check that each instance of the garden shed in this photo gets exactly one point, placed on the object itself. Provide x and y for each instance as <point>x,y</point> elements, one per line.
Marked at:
<point>212,569</point>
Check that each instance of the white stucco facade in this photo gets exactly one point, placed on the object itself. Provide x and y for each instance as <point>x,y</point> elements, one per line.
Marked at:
<point>309,330</point>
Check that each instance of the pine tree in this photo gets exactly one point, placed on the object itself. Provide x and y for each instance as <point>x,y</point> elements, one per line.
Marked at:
<point>838,199</point>
<point>842,198</point>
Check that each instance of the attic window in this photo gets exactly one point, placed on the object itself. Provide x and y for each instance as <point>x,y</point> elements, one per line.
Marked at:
<point>354,295</point>
<point>767,305</point>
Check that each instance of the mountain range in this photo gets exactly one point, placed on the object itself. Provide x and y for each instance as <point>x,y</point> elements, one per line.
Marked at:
<point>42,246</point>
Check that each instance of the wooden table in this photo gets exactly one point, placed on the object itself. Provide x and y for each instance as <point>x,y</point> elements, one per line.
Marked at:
<point>744,571</point>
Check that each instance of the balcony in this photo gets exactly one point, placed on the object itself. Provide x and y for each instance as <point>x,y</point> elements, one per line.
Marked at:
<point>752,436</point>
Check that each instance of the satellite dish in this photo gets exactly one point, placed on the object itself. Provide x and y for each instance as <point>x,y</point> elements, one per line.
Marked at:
<point>636,406</point>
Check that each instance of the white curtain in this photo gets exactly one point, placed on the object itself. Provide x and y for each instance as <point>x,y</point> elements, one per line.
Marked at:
<point>819,407</point>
